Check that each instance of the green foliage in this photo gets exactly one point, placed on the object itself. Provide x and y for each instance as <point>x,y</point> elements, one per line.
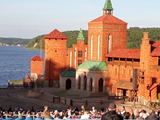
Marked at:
<point>36,43</point>
<point>16,81</point>
<point>134,37</point>
<point>14,41</point>
<point>72,37</point>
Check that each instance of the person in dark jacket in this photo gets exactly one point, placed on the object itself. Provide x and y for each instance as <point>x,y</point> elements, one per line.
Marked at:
<point>111,114</point>
<point>152,116</point>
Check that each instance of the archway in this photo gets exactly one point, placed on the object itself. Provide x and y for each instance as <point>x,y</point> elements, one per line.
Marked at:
<point>68,84</point>
<point>85,83</point>
<point>79,82</point>
<point>90,84</point>
<point>100,85</point>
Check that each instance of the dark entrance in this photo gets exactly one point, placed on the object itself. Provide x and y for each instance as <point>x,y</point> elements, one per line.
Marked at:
<point>79,82</point>
<point>100,85</point>
<point>124,92</point>
<point>90,87</point>
<point>85,82</point>
<point>68,84</point>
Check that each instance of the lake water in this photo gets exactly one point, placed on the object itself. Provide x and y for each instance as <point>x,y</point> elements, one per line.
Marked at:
<point>15,62</point>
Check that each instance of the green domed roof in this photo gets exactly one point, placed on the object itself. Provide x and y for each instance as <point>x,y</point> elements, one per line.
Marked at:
<point>80,35</point>
<point>108,5</point>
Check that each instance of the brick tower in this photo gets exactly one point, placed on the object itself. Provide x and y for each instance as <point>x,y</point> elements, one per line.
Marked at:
<point>55,56</point>
<point>105,33</point>
<point>36,67</point>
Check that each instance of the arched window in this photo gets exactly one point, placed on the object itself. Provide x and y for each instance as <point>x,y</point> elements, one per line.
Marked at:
<point>75,56</point>
<point>99,46</point>
<point>70,59</point>
<point>100,85</point>
<point>91,47</point>
<point>109,43</point>
<point>79,82</point>
<point>68,84</point>
<point>90,85</point>
<point>85,83</point>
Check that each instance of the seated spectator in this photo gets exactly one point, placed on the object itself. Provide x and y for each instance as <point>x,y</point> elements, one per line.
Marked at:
<point>38,116</point>
<point>10,117</point>
<point>112,114</point>
<point>19,117</point>
<point>28,116</point>
<point>132,116</point>
<point>47,116</point>
<point>57,117</point>
<point>152,116</point>
<point>123,111</point>
<point>74,116</point>
<point>82,109</point>
<point>85,115</point>
<point>143,114</point>
<point>1,116</point>
<point>126,115</point>
<point>93,111</point>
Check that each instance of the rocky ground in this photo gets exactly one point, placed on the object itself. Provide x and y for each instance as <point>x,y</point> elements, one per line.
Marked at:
<point>27,98</point>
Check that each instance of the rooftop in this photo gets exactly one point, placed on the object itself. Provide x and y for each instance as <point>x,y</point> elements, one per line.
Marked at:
<point>125,53</point>
<point>108,5</point>
<point>68,73</point>
<point>36,58</point>
<point>155,48</point>
<point>80,35</point>
<point>109,19</point>
<point>55,34</point>
<point>93,65</point>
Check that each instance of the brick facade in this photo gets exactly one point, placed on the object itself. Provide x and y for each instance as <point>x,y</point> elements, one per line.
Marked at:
<point>55,56</point>
<point>77,54</point>
<point>107,37</point>
<point>36,65</point>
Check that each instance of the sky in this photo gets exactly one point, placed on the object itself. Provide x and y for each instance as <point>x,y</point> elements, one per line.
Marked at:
<point>31,18</point>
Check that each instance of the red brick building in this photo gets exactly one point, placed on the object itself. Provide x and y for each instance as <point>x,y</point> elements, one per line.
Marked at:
<point>105,64</point>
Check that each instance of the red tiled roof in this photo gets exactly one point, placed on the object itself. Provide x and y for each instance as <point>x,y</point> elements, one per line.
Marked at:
<point>155,43</point>
<point>55,34</point>
<point>156,52</point>
<point>109,19</point>
<point>125,53</point>
<point>155,48</point>
<point>36,58</point>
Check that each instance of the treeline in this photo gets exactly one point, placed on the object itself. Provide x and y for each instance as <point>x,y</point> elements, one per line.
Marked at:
<point>134,37</point>
<point>135,34</point>
<point>14,41</point>
<point>38,42</point>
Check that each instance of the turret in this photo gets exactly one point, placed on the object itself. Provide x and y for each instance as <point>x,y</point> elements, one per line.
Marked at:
<point>55,56</point>
<point>108,9</point>
<point>80,38</point>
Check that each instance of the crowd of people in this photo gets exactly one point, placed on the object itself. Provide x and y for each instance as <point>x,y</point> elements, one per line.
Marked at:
<point>109,113</point>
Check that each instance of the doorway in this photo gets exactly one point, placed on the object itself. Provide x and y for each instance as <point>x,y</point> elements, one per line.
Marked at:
<point>100,85</point>
<point>68,84</point>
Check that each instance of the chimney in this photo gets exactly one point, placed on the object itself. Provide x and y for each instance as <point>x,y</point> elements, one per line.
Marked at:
<point>145,39</point>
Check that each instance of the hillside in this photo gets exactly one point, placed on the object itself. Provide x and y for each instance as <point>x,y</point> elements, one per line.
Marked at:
<point>38,42</point>
<point>134,37</point>
<point>13,41</point>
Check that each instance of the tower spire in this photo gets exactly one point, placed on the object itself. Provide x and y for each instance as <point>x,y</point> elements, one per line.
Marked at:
<point>80,35</point>
<point>108,9</point>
